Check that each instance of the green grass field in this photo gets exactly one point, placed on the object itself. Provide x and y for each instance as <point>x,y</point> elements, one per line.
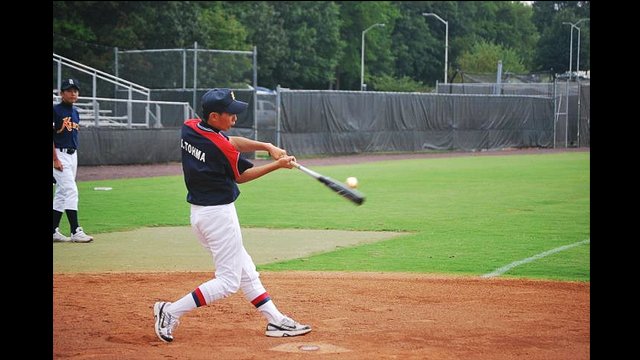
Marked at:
<point>464,215</point>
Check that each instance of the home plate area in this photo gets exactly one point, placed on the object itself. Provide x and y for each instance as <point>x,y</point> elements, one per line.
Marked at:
<point>301,347</point>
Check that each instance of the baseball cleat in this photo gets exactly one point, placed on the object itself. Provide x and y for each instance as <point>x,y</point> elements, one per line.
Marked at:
<point>287,327</point>
<point>80,236</point>
<point>165,323</point>
<point>58,237</point>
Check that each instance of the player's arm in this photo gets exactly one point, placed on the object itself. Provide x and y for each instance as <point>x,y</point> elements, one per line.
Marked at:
<point>56,162</point>
<point>258,171</point>
<point>243,144</point>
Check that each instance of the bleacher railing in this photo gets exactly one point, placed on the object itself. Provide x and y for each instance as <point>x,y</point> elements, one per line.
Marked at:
<point>103,111</point>
<point>164,114</point>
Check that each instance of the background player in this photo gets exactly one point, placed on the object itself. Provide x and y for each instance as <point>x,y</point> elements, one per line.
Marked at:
<point>65,163</point>
<point>212,168</point>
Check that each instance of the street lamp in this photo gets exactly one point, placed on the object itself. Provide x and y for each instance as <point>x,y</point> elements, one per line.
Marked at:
<point>578,54</point>
<point>573,25</point>
<point>446,42</point>
<point>362,55</point>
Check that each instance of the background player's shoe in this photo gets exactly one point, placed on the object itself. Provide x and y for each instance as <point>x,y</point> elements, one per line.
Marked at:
<point>287,327</point>
<point>80,236</point>
<point>165,323</point>
<point>58,237</point>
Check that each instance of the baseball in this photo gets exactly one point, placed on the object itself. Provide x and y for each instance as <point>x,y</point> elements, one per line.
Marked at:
<point>352,182</point>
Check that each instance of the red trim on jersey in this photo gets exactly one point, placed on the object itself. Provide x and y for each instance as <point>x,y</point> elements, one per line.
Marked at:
<point>227,148</point>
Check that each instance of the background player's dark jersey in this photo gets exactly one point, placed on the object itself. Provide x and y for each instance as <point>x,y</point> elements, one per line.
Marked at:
<point>66,121</point>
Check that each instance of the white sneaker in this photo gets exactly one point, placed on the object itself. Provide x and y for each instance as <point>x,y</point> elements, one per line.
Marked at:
<point>165,323</point>
<point>58,237</point>
<point>287,327</point>
<point>80,236</point>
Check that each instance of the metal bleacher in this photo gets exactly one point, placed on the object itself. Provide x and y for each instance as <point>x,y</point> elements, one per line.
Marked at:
<point>91,114</point>
<point>132,112</point>
<point>105,117</point>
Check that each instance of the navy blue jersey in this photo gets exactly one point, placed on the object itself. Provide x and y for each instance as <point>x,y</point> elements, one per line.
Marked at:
<point>210,164</point>
<point>65,126</point>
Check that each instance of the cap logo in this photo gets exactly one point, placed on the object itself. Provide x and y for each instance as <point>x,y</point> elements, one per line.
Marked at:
<point>71,82</point>
<point>233,96</point>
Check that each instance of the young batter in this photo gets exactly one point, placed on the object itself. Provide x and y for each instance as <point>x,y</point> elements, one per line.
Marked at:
<point>212,168</point>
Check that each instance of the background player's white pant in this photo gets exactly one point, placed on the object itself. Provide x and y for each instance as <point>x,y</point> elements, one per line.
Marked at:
<point>66,195</point>
<point>218,230</point>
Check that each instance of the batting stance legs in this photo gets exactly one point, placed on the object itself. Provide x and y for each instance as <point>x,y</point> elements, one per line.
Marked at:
<point>218,230</point>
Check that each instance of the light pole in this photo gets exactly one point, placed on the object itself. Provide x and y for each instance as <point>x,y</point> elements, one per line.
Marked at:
<point>362,55</point>
<point>570,48</point>
<point>573,25</point>
<point>578,54</point>
<point>446,42</point>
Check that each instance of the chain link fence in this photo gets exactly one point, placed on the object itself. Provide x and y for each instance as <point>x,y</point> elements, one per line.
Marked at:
<point>185,74</point>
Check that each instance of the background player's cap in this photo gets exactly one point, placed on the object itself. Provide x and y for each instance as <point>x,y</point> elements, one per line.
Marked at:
<point>70,83</point>
<point>221,100</point>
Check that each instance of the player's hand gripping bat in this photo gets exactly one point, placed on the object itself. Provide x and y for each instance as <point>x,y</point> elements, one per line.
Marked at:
<point>343,190</point>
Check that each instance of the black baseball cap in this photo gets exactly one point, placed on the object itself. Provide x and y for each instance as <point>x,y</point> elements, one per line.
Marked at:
<point>221,100</point>
<point>70,83</point>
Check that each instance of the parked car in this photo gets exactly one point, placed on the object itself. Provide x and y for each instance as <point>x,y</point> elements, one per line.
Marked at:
<point>265,107</point>
<point>582,75</point>
<point>266,114</point>
<point>264,91</point>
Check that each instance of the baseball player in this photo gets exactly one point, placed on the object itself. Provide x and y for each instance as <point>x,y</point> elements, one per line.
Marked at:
<point>212,168</point>
<point>65,163</point>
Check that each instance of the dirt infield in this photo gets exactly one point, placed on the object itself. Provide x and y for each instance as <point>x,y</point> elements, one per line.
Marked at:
<point>353,315</point>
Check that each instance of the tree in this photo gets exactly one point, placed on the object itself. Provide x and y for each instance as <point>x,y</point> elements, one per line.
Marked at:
<point>82,32</point>
<point>218,29</point>
<point>419,42</point>
<point>404,84</point>
<point>379,57</point>
<point>313,44</point>
<point>483,58</point>
<point>265,30</point>
<point>506,23</point>
<point>317,44</point>
<point>553,47</point>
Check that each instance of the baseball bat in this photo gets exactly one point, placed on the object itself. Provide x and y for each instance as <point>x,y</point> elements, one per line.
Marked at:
<point>350,194</point>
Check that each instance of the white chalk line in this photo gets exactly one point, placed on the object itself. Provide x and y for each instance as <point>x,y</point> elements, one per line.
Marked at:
<point>506,268</point>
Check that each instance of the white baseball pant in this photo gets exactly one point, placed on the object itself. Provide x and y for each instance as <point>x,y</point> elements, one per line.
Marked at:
<point>66,195</point>
<point>218,230</point>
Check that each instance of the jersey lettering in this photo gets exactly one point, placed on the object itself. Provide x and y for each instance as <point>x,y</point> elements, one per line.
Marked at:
<point>68,125</point>
<point>194,151</point>
<point>221,142</point>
